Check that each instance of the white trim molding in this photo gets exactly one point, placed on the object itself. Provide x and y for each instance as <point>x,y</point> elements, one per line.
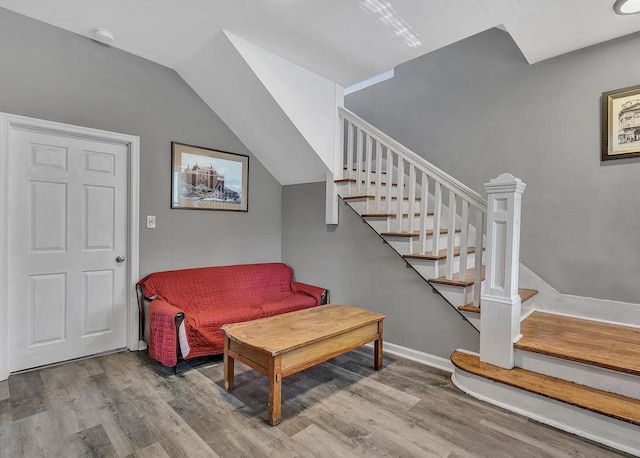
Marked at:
<point>9,122</point>
<point>417,356</point>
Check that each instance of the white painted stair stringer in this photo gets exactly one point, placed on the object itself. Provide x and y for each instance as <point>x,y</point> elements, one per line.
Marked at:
<point>614,433</point>
<point>584,374</point>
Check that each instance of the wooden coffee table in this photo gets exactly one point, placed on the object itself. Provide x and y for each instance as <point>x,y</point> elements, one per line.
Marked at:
<point>282,345</point>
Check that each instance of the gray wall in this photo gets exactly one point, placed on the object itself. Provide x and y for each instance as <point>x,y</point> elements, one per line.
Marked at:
<point>52,74</point>
<point>359,269</point>
<point>477,109</point>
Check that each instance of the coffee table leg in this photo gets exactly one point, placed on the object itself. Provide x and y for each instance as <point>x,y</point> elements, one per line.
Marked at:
<point>275,389</point>
<point>228,366</point>
<point>377,349</point>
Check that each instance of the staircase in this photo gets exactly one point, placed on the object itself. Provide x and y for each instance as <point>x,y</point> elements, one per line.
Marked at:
<point>579,375</point>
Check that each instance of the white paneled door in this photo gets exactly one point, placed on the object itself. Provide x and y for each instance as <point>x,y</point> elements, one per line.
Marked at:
<point>67,246</point>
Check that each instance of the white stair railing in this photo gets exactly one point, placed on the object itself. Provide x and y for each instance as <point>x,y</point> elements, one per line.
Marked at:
<point>456,208</point>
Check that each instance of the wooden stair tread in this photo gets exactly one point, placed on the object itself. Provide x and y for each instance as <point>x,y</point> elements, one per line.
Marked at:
<point>366,196</point>
<point>525,295</point>
<point>364,171</point>
<point>605,345</point>
<point>442,254</point>
<point>413,234</point>
<point>455,281</point>
<point>389,215</point>
<point>602,402</point>
<point>363,196</point>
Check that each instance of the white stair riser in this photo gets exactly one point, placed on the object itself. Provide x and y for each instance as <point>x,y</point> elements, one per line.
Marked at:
<point>385,224</point>
<point>600,428</point>
<point>440,265</point>
<point>583,374</point>
<point>410,245</point>
<point>425,268</point>
<point>455,295</point>
<point>364,205</point>
<point>437,268</point>
<point>473,318</point>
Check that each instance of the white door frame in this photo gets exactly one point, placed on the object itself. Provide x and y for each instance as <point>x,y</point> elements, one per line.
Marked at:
<point>9,122</point>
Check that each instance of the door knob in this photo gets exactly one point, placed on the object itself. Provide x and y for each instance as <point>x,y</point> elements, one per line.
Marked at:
<point>120,259</point>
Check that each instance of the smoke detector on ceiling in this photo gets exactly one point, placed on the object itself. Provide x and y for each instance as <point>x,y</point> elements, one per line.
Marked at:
<point>104,35</point>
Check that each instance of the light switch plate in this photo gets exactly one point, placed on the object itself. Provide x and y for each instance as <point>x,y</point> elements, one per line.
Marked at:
<point>151,221</point>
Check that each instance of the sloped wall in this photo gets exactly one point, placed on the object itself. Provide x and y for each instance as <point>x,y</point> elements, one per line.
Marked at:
<point>52,74</point>
<point>477,109</point>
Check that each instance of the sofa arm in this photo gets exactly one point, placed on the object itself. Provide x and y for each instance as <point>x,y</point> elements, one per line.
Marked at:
<point>164,321</point>
<point>320,294</point>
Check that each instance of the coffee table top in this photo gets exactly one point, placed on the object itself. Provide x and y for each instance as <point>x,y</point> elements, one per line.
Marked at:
<point>288,331</point>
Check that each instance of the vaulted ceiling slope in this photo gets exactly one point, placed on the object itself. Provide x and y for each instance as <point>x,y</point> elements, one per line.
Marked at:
<point>345,41</point>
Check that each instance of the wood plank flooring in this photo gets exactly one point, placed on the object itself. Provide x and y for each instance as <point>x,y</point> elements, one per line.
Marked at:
<point>601,344</point>
<point>126,405</point>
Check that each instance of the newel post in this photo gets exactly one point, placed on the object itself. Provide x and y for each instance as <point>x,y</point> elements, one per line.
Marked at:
<point>500,317</point>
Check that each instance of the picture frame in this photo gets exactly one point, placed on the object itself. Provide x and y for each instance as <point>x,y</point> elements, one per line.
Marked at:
<point>208,179</point>
<point>621,123</point>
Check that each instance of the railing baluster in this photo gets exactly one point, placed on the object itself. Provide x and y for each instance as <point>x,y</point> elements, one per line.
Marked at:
<point>412,198</point>
<point>349,164</point>
<point>338,172</point>
<point>389,179</point>
<point>451,234</point>
<point>400,194</point>
<point>477,280</point>
<point>424,210</point>
<point>464,240</point>
<point>378,175</point>
<point>359,154</point>
<point>368,164</point>
<point>437,212</point>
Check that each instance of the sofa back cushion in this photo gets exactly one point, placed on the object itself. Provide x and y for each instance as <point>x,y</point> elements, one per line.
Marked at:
<point>245,284</point>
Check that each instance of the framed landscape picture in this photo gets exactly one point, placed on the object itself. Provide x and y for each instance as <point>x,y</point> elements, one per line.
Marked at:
<point>208,179</point>
<point>621,123</point>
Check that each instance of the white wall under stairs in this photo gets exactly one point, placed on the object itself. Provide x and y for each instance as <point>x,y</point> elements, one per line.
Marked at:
<point>286,115</point>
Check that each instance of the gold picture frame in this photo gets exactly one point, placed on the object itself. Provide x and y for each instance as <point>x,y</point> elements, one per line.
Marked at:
<point>208,179</point>
<point>621,123</point>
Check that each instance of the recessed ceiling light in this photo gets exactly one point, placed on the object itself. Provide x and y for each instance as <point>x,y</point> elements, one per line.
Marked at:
<point>627,6</point>
<point>104,35</point>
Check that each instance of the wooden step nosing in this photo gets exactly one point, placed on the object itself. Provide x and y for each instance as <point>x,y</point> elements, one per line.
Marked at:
<point>439,257</point>
<point>565,399</point>
<point>587,361</point>
<point>414,234</point>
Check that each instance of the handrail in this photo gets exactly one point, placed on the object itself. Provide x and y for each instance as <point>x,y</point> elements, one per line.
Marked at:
<point>445,179</point>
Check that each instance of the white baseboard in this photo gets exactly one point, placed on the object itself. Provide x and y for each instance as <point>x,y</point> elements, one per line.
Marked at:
<point>417,356</point>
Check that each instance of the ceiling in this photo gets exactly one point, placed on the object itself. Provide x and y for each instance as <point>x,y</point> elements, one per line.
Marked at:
<point>343,40</point>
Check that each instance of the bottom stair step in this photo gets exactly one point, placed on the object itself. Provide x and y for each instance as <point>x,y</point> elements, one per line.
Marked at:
<point>601,402</point>
<point>605,345</point>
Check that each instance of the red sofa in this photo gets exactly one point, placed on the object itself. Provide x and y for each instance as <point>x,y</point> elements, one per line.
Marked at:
<point>189,306</point>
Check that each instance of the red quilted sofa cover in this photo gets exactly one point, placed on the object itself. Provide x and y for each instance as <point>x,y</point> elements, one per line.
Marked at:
<point>210,297</point>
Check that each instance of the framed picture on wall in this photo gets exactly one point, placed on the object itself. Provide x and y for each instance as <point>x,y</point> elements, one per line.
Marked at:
<point>621,123</point>
<point>208,179</point>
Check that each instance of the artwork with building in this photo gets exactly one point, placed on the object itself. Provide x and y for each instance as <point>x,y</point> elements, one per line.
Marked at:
<point>208,179</point>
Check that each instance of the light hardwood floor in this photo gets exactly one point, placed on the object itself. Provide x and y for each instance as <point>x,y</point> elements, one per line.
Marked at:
<point>125,404</point>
